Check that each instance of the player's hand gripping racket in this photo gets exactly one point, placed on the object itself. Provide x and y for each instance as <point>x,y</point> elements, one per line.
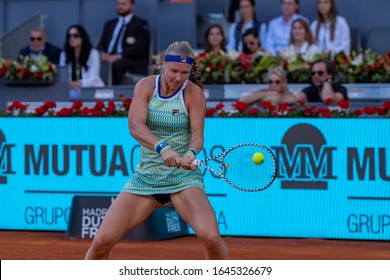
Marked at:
<point>248,167</point>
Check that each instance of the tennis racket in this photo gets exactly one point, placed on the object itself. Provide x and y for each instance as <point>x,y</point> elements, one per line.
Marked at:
<point>238,169</point>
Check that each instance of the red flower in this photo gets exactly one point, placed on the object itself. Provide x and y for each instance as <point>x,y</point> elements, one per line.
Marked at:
<point>323,111</point>
<point>40,110</point>
<point>96,112</point>
<point>302,103</point>
<point>85,112</point>
<point>99,105</point>
<point>358,112</point>
<point>343,104</point>
<point>210,112</point>
<point>246,60</point>
<point>240,106</point>
<point>380,111</point>
<point>77,105</point>
<point>253,111</point>
<point>272,107</point>
<point>369,110</point>
<point>49,105</point>
<point>127,103</point>
<point>64,112</point>
<point>109,111</point>
<point>265,104</point>
<point>329,100</point>
<point>111,105</point>
<point>283,107</point>
<point>39,75</point>
<point>16,105</point>
<point>3,70</point>
<point>219,106</point>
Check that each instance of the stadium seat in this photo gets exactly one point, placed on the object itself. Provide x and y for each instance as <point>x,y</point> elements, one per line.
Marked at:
<point>356,40</point>
<point>378,39</point>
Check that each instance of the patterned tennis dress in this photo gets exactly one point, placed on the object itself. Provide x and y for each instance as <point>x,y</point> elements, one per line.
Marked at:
<point>167,119</point>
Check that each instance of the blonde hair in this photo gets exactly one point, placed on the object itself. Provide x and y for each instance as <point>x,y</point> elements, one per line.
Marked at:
<point>278,71</point>
<point>180,48</point>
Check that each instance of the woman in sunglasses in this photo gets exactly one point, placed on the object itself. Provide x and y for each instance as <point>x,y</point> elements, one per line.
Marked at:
<point>83,60</point>
<point>252,44</point>
<point>277,92</point>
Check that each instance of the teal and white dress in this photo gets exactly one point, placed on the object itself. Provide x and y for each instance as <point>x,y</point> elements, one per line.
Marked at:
<point>167,119</point>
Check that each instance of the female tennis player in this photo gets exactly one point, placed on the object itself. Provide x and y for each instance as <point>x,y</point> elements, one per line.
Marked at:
<point>167,118</point>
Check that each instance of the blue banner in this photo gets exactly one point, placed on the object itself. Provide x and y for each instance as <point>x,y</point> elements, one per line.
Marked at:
<point>333,179</point>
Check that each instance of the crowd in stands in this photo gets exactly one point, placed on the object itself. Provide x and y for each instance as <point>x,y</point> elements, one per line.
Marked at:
<point>125,44</point>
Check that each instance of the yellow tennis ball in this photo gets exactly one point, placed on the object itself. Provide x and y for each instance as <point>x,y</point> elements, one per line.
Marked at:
<point>257,158</point>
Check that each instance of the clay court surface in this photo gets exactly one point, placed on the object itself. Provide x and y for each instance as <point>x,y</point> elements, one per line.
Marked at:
<point>26,245</point>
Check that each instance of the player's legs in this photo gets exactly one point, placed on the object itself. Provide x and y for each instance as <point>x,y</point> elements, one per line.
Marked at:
<point>194,207</point>
<point>126,212</point>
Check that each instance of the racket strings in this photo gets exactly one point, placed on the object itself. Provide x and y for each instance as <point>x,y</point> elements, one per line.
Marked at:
<point>244,174</point>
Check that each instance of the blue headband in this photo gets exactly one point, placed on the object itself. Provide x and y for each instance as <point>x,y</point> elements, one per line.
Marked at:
<point>179,58</point>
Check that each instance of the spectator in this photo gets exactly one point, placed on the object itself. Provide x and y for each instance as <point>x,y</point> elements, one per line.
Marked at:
<point>83,60</point>
<point>277,92</point>
<point>279,28</point>
<point>39,46</point>
<point>248,20</point>
<point>125,42</point>
<point>323,88</point>
<point>214,39</point>
<point>301,42</point>
<point>233,11</point>
<point>330,30</point>
<point>252,44</point>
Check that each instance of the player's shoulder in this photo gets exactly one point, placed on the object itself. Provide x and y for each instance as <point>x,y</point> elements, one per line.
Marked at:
<point>146,84</point>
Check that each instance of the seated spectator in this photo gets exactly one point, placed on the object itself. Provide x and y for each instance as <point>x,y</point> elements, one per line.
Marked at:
<point>301,42</point>
<point>331,31</point>
<point>277,92</point>
<point>324,88</point>
<point>82,58</point>
<point>278,33</point>
<point>39,46</point>
<point>248,20</point>
<point>214,39</point>
<point>125,42</point>
<point>252,44</point>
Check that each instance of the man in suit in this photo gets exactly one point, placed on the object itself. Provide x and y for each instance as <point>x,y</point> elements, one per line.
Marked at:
<point>39,46</point>
<point>125,42</point>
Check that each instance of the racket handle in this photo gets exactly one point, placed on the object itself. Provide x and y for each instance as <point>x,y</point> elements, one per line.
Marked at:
<point>196,162</point>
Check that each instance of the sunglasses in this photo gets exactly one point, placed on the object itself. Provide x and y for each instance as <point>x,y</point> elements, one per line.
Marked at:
<point>320,73</point>
<point>74,35</point>
<point>277,82</point>
<point>36,39</point>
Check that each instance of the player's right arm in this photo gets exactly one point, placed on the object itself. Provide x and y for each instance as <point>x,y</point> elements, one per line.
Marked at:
<point>137,117</point>
<point>138,113</point>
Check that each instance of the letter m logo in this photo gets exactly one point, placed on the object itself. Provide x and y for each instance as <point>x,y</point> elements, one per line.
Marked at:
<point>5,159</point>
